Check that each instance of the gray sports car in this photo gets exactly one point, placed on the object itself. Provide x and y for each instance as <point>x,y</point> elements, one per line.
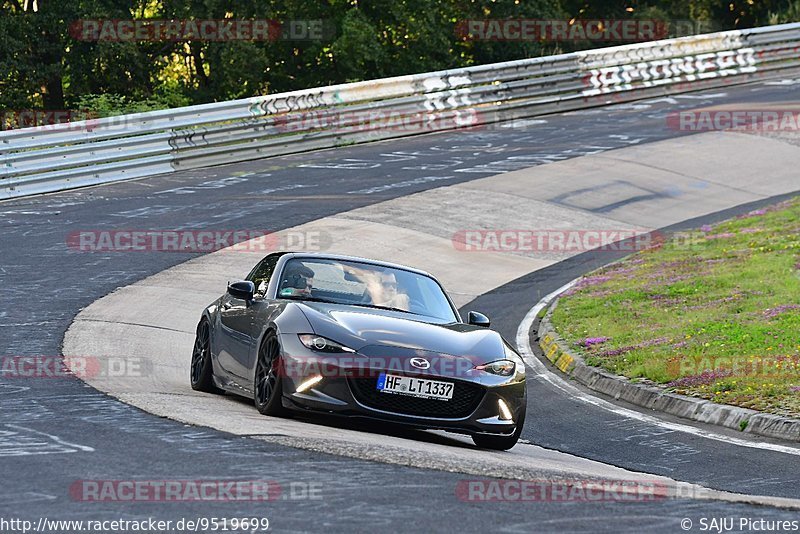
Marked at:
<point>354,337</point>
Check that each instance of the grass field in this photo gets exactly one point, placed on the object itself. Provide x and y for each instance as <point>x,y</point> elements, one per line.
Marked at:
<point>713,313</point>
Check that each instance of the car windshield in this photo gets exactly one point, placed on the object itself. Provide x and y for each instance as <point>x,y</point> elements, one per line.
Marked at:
<point>366,285</point>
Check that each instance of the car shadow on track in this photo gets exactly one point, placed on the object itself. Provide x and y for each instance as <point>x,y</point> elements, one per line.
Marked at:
<point>371,426</point>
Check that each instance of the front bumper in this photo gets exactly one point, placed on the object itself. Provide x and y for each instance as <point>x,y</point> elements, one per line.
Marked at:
<point>347,389</point>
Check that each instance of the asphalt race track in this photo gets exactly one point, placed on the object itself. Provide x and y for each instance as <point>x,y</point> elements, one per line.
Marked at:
<point>58,431</point>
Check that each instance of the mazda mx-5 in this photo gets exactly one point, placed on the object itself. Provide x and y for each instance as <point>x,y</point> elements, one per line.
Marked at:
<point>344,336</point>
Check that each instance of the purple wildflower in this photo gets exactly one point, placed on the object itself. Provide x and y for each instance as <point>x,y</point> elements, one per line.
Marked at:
<point>715,302</point>
<point>589,281</point>
<point>589,341</point>
<point>706,228</point>
<point>794,389</point>
<point>640,345</point>
<point>704,378</point>
<point>601,293</point>
<point>664,300</point>
<point>620,270</point>
<point>681,263</point>
<point>663,279</point>
<point>774,312</point>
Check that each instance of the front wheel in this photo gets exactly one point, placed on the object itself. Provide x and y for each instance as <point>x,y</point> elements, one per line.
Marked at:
<point>500,443</point>
<point>268,387</point>
<point>202,370</point>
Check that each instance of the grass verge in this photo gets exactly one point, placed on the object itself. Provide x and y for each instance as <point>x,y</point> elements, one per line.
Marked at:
<point>713,313</point>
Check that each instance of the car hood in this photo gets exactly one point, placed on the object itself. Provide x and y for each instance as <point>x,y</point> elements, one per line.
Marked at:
<point>365,329</point>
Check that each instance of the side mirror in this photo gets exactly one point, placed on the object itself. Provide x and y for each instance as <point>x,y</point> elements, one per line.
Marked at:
<point>242,290</point>
<point>478,319</point>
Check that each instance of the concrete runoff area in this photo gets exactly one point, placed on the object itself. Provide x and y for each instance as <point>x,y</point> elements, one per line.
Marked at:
<point>636,188</point>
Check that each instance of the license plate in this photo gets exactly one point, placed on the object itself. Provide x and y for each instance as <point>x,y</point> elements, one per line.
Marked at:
<point>415,387</point>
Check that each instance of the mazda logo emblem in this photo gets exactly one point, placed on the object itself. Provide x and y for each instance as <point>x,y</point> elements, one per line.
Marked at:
<point>420,363</point>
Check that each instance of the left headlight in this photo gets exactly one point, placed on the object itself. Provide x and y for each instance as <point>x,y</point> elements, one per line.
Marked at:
<point>499,367</point>
<point>322,344</point>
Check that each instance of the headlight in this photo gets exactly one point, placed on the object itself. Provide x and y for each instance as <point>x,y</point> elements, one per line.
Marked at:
<point>499,367</point>
<point>322,344</point>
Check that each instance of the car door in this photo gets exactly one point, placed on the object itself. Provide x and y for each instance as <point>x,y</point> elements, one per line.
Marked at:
<point>262,311</point>
<point>235,343</point>
<point>241,322</point>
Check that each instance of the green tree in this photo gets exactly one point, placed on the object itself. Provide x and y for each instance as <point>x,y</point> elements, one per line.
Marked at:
<point>45,65</point>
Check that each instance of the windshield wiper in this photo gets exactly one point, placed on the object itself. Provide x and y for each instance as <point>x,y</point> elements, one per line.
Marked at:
<point>387,308</point>
<point>309,298</point>
<point>328,301</point>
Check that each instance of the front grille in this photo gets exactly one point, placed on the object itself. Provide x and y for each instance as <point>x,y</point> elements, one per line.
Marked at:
<point>466,397</point>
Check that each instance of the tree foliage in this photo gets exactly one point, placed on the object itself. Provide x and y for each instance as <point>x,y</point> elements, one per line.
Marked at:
<point>43,65</point>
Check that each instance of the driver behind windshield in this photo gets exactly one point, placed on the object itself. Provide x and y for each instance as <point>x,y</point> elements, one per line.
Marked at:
<point>385,292</point>
<point>298,281</point>
<point>381,287</point>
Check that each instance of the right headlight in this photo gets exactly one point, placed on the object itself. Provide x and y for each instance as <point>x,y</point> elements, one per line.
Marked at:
<point>498,367</point>
<point>322,344</point>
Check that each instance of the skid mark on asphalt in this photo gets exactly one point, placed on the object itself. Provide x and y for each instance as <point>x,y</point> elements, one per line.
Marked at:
<point>396,185</point>
<point>210,184</point>
<point>623,191</point>
<point>25,498</point>
<point>22,441</point>
<point>102,411</point>
<point>672,452</point>
<point>7,389</point>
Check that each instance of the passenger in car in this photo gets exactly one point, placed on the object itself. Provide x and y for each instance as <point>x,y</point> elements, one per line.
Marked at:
<point>298,281</point>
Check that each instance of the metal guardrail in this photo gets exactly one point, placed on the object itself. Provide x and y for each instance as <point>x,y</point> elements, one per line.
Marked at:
<point>65,156</point>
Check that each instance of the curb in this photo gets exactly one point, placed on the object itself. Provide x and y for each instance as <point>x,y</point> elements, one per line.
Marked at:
<point>571,364</point>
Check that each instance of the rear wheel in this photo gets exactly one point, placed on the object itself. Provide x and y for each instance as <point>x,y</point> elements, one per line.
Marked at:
<point>500,443</point>
<point>268,387</point>
<point>202,370</point>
